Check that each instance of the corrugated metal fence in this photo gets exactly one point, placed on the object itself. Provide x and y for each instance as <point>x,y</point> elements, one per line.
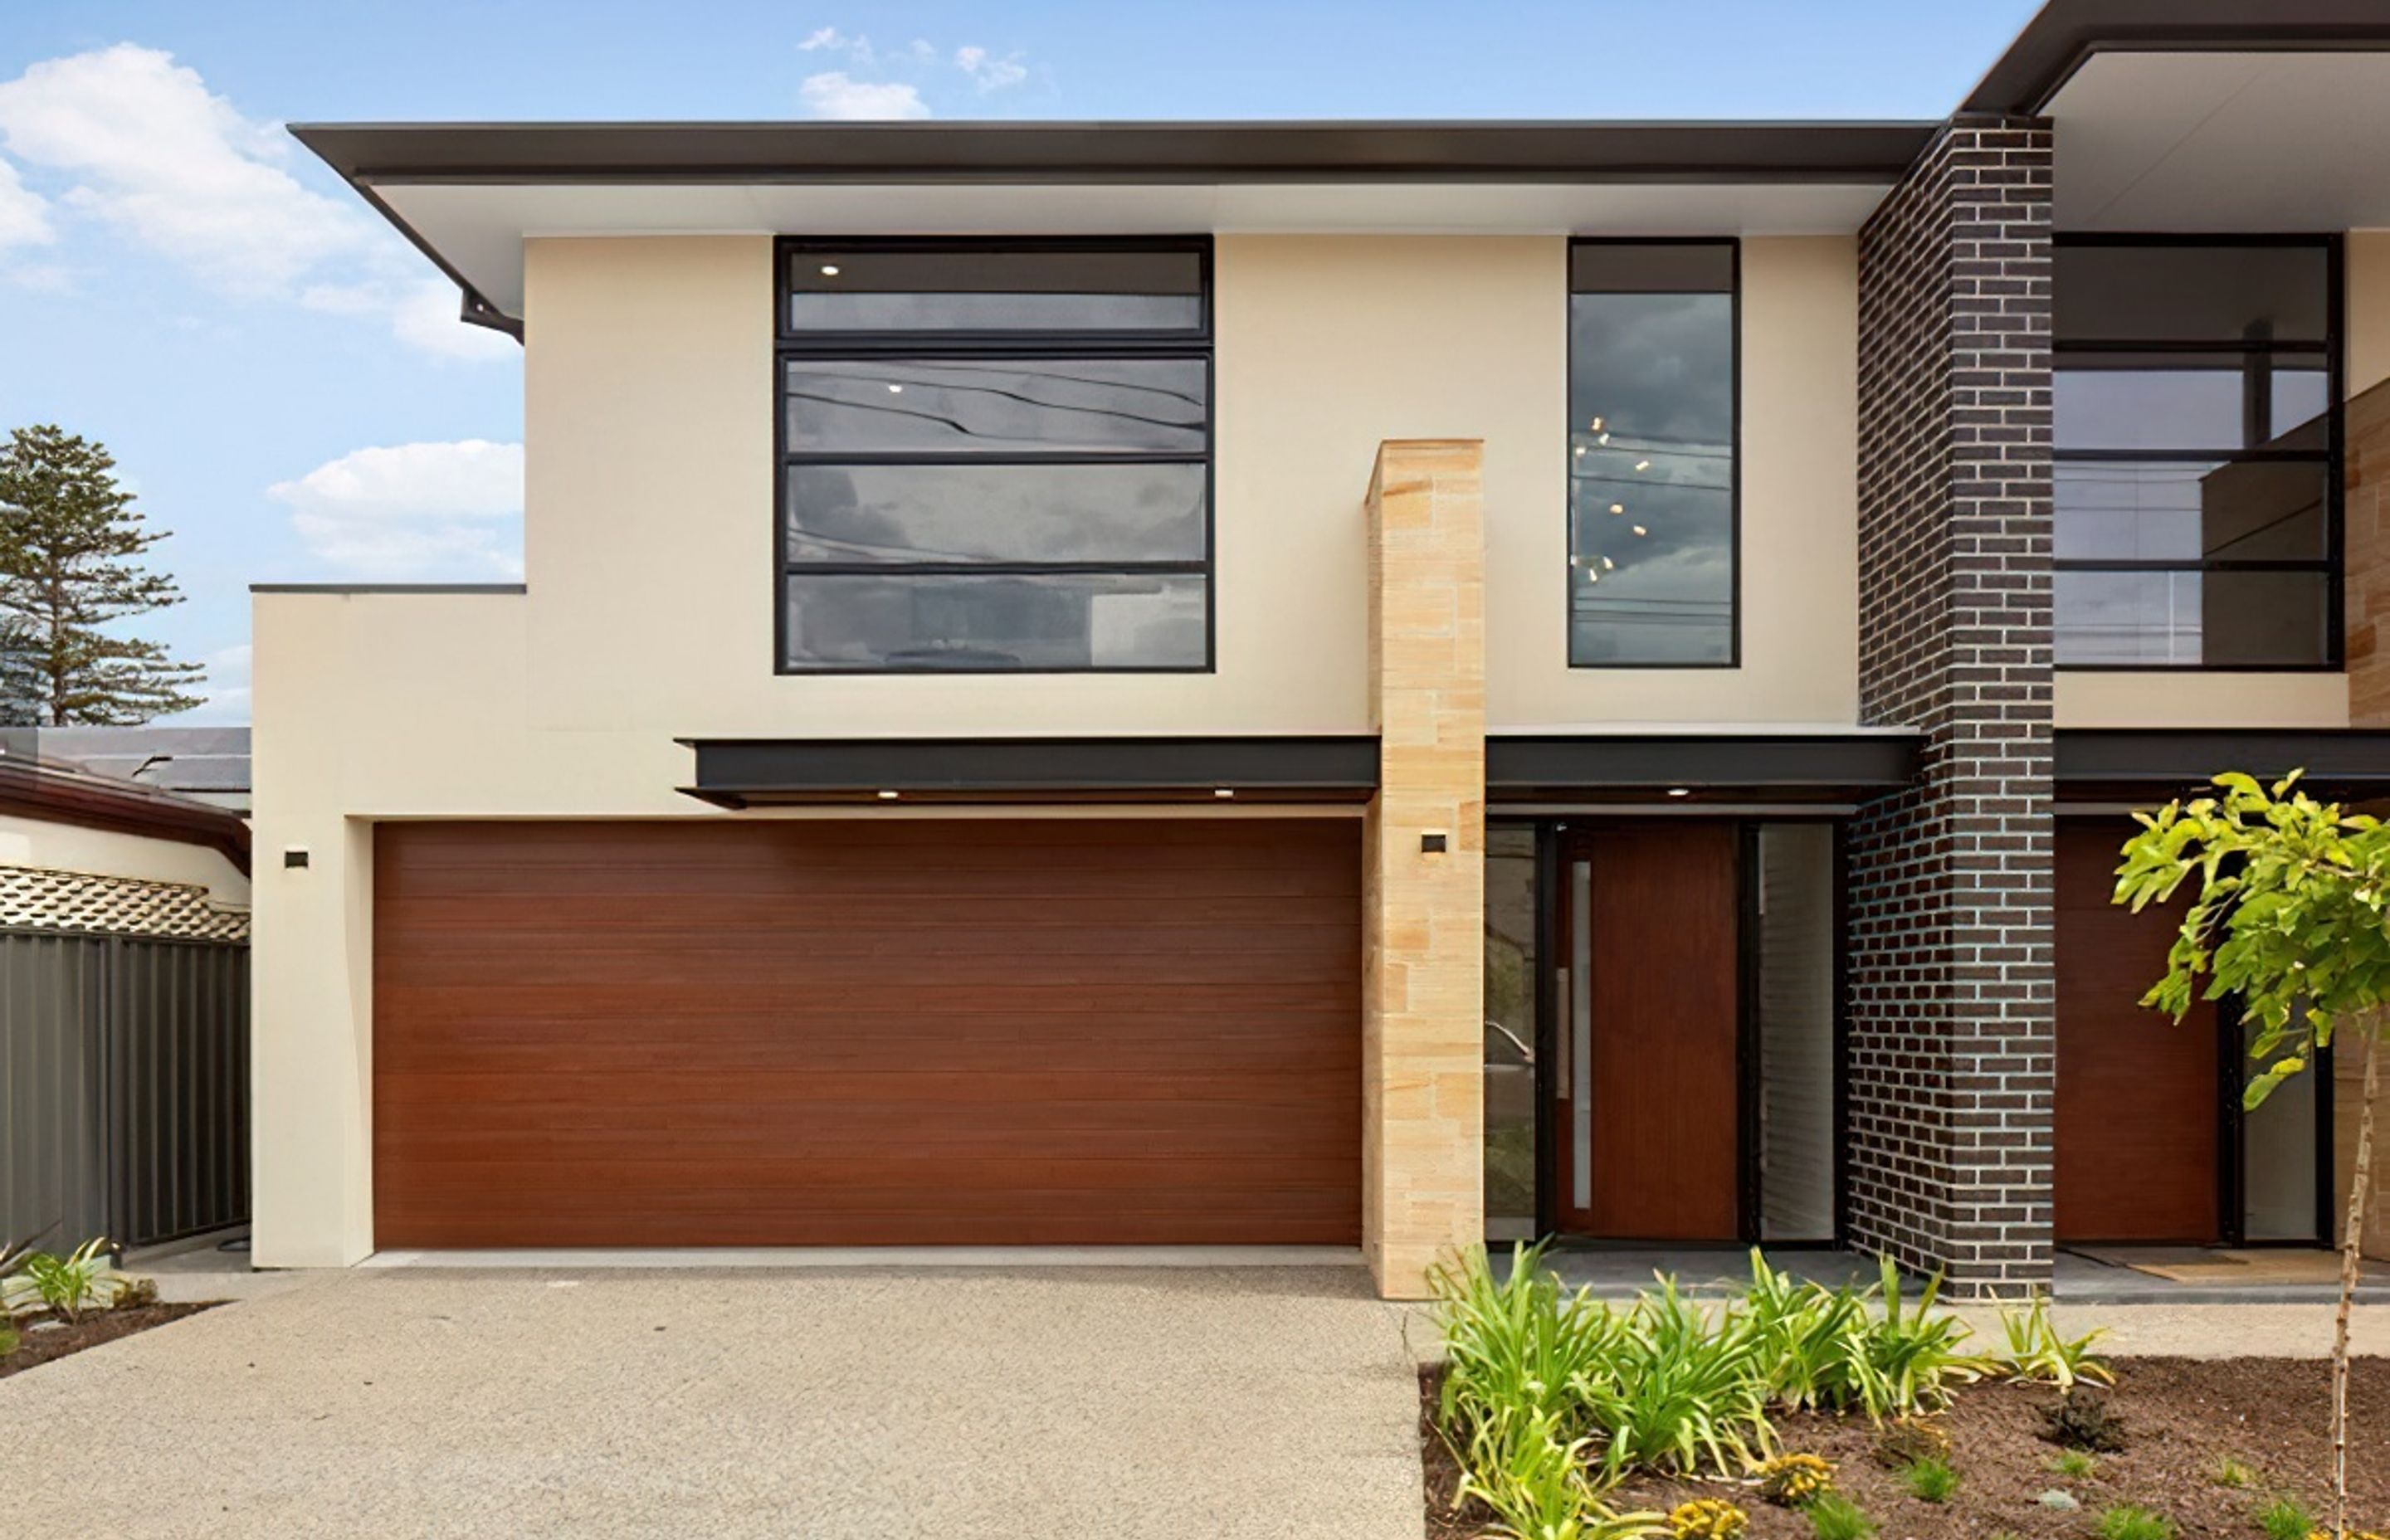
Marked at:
<point>124,1087</point>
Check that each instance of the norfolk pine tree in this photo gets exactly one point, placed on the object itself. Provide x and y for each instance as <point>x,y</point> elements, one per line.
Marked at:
<point>2290,912</point>
<point>71,542</point>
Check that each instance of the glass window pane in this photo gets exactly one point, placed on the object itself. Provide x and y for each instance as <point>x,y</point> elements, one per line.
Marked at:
<point>2220,620</point>
<point>1510,1032</point>
<point>955,289</point>
<point>972,512</point>
<point>2129,618</point>
<point>1041,622</point>
<point>1796,1032</point>
<point>2210,401</point>
<point>873,405</point>
<point>2279,1172</point>
<point>2190,293</point>
<point>1651,478</point>
<point>2144,511</point>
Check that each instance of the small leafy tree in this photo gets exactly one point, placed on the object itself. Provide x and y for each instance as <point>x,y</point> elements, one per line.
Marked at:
<point>70,545</point>
<point>2292,914</point>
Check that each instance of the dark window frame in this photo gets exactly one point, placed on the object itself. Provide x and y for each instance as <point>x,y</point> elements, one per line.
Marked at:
<point>2333,349</point>
<point>793,344</point>
<point>1733,245</point>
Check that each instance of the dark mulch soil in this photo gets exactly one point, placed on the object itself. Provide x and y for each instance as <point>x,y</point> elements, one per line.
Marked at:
<point>39,1347</point>
<point>2181,1416</point>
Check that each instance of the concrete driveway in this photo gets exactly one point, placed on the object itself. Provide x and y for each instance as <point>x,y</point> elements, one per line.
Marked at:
<point>1215,1403</point>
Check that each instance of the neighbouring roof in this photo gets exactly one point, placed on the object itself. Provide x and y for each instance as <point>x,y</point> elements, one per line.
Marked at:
<point>31,899</point>
<point>213,760</point>
<point>62,793</point>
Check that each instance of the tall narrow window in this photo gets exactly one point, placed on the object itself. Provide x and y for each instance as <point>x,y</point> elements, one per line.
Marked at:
<point>995,458</point>
<point>2197,437</point>
<point>1652,453</point>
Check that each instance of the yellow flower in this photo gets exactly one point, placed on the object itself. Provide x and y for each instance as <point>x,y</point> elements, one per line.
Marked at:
<point>1708,1518</point>
<point>1793,1480</point>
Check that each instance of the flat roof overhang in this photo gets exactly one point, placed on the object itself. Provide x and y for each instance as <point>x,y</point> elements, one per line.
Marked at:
<point>2146,765</point>
<point>469,194</point>
<point>2067,34</point>
<point>1557,769</point>
<point>2206,116</point>
<point>753,773</point>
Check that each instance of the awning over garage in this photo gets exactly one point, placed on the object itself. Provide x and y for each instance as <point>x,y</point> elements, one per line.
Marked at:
<point>740,773</point>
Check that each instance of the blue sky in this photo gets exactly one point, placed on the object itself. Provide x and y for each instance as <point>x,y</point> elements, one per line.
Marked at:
<point>277,373</point>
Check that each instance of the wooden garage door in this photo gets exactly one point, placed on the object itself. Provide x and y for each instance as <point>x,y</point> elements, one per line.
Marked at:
<point>866,1033</point>
<point>2137,1112</point>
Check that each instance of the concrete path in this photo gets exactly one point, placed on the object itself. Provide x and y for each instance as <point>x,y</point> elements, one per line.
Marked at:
<point>1226,1403</point>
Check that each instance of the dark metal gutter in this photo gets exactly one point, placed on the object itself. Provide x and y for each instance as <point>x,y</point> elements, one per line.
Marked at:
<point>1144,153</point>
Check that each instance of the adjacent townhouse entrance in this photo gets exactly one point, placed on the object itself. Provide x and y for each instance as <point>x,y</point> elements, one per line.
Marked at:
<point>2153,1147</point>
<point>1662,1033</point>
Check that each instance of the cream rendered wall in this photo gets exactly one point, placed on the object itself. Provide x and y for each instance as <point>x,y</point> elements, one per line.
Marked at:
<point>1799,568</point>
<point>105,852</point>
<point>2169,698</point>
<point>647,614</point>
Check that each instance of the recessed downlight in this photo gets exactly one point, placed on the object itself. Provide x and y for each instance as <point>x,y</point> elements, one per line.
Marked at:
<point>1680,792</point>
<point>888,796</point>
<point>829,270</point>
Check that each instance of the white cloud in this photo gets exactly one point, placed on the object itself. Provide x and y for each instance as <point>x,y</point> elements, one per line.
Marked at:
<point>145,149</point>
<point>413,510</point>
<point>24,214</point>
<point>992,73</point>
<point>837,95</point>
<point>820,38</point>
<point>157,154</point>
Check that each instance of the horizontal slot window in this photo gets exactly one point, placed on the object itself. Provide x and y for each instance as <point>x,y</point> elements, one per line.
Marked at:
<point>1119,514</point>
<point>2190,291</point>
<point>2216,618</point>
<point>2168,510</point>
<point>966,288</point>
<point>971,406</point>
<point>1000,623</point>
<point>2254,401</point>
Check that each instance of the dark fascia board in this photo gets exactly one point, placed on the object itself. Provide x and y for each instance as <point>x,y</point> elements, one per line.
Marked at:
<point>2066,32</point>
<point>1144,153</point>
<point>388,588</point>
<point>52,794</point>
<point>751,772</point>
<point>1532,767</point>
<point>2164,761</point>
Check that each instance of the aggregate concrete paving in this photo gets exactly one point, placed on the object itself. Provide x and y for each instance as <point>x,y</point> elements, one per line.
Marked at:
<point>1118,1403</point>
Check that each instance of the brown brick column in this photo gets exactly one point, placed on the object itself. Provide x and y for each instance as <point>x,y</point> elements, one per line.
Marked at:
<point>1423,996</point>
<point>1952,1011</point>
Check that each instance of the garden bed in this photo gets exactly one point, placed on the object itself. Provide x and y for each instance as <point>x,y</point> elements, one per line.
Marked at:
<point>2181,1418</point>
<point>39,1344</point>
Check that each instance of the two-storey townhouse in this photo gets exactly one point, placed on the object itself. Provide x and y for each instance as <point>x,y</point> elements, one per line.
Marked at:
<point>1371,683</point>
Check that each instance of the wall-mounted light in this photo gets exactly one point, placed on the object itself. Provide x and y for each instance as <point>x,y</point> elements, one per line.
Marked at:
<point>1224,792</point>
<point>888,796</point>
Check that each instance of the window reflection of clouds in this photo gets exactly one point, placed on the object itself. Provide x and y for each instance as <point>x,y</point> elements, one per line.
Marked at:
<point>1651,478</point>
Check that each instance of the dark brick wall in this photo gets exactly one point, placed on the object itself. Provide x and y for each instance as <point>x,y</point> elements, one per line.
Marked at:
<point>1951,1015</point>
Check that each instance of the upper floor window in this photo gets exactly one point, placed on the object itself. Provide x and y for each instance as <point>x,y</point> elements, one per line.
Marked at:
<point>1652,486</point>
<point>995,457</point>
<point>2197,435</point>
